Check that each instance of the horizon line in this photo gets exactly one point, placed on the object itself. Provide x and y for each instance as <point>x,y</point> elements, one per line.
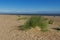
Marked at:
<point>44,14</point>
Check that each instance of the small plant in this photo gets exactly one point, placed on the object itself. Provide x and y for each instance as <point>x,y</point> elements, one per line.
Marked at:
<point>35,21</point>
<point>19,18</point>
<point>50,21</point>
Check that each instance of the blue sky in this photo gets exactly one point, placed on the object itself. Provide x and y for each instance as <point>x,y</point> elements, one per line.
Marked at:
<point>29,5</point>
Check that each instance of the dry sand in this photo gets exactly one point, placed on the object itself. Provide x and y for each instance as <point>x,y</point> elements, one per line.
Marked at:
<point>9,30</point>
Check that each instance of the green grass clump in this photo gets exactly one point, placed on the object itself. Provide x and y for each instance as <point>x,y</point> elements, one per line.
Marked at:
<point>35,21</point>
<point>50,21</point>
<point>22,18</point>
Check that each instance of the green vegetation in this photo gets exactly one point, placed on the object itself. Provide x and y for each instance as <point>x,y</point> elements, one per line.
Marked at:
<point>46,18</point>
<point>22,18</point>
<point>19,18</point>
<point>34,21</point>
<point>50,21</point>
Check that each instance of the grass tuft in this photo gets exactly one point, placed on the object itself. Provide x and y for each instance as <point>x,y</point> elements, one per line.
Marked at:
<point>50,21</point>
<point>35,21</point>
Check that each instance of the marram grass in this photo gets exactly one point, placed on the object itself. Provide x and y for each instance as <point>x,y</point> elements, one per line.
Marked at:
<point>34,21</point>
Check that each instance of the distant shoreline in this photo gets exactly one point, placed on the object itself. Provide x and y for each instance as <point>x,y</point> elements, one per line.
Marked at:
<point>41,14</point>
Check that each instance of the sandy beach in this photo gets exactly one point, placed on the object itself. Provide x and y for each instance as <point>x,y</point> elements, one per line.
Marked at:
<point>9,30</point>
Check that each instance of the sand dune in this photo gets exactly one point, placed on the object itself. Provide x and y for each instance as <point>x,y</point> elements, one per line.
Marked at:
<point>9,30</point>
